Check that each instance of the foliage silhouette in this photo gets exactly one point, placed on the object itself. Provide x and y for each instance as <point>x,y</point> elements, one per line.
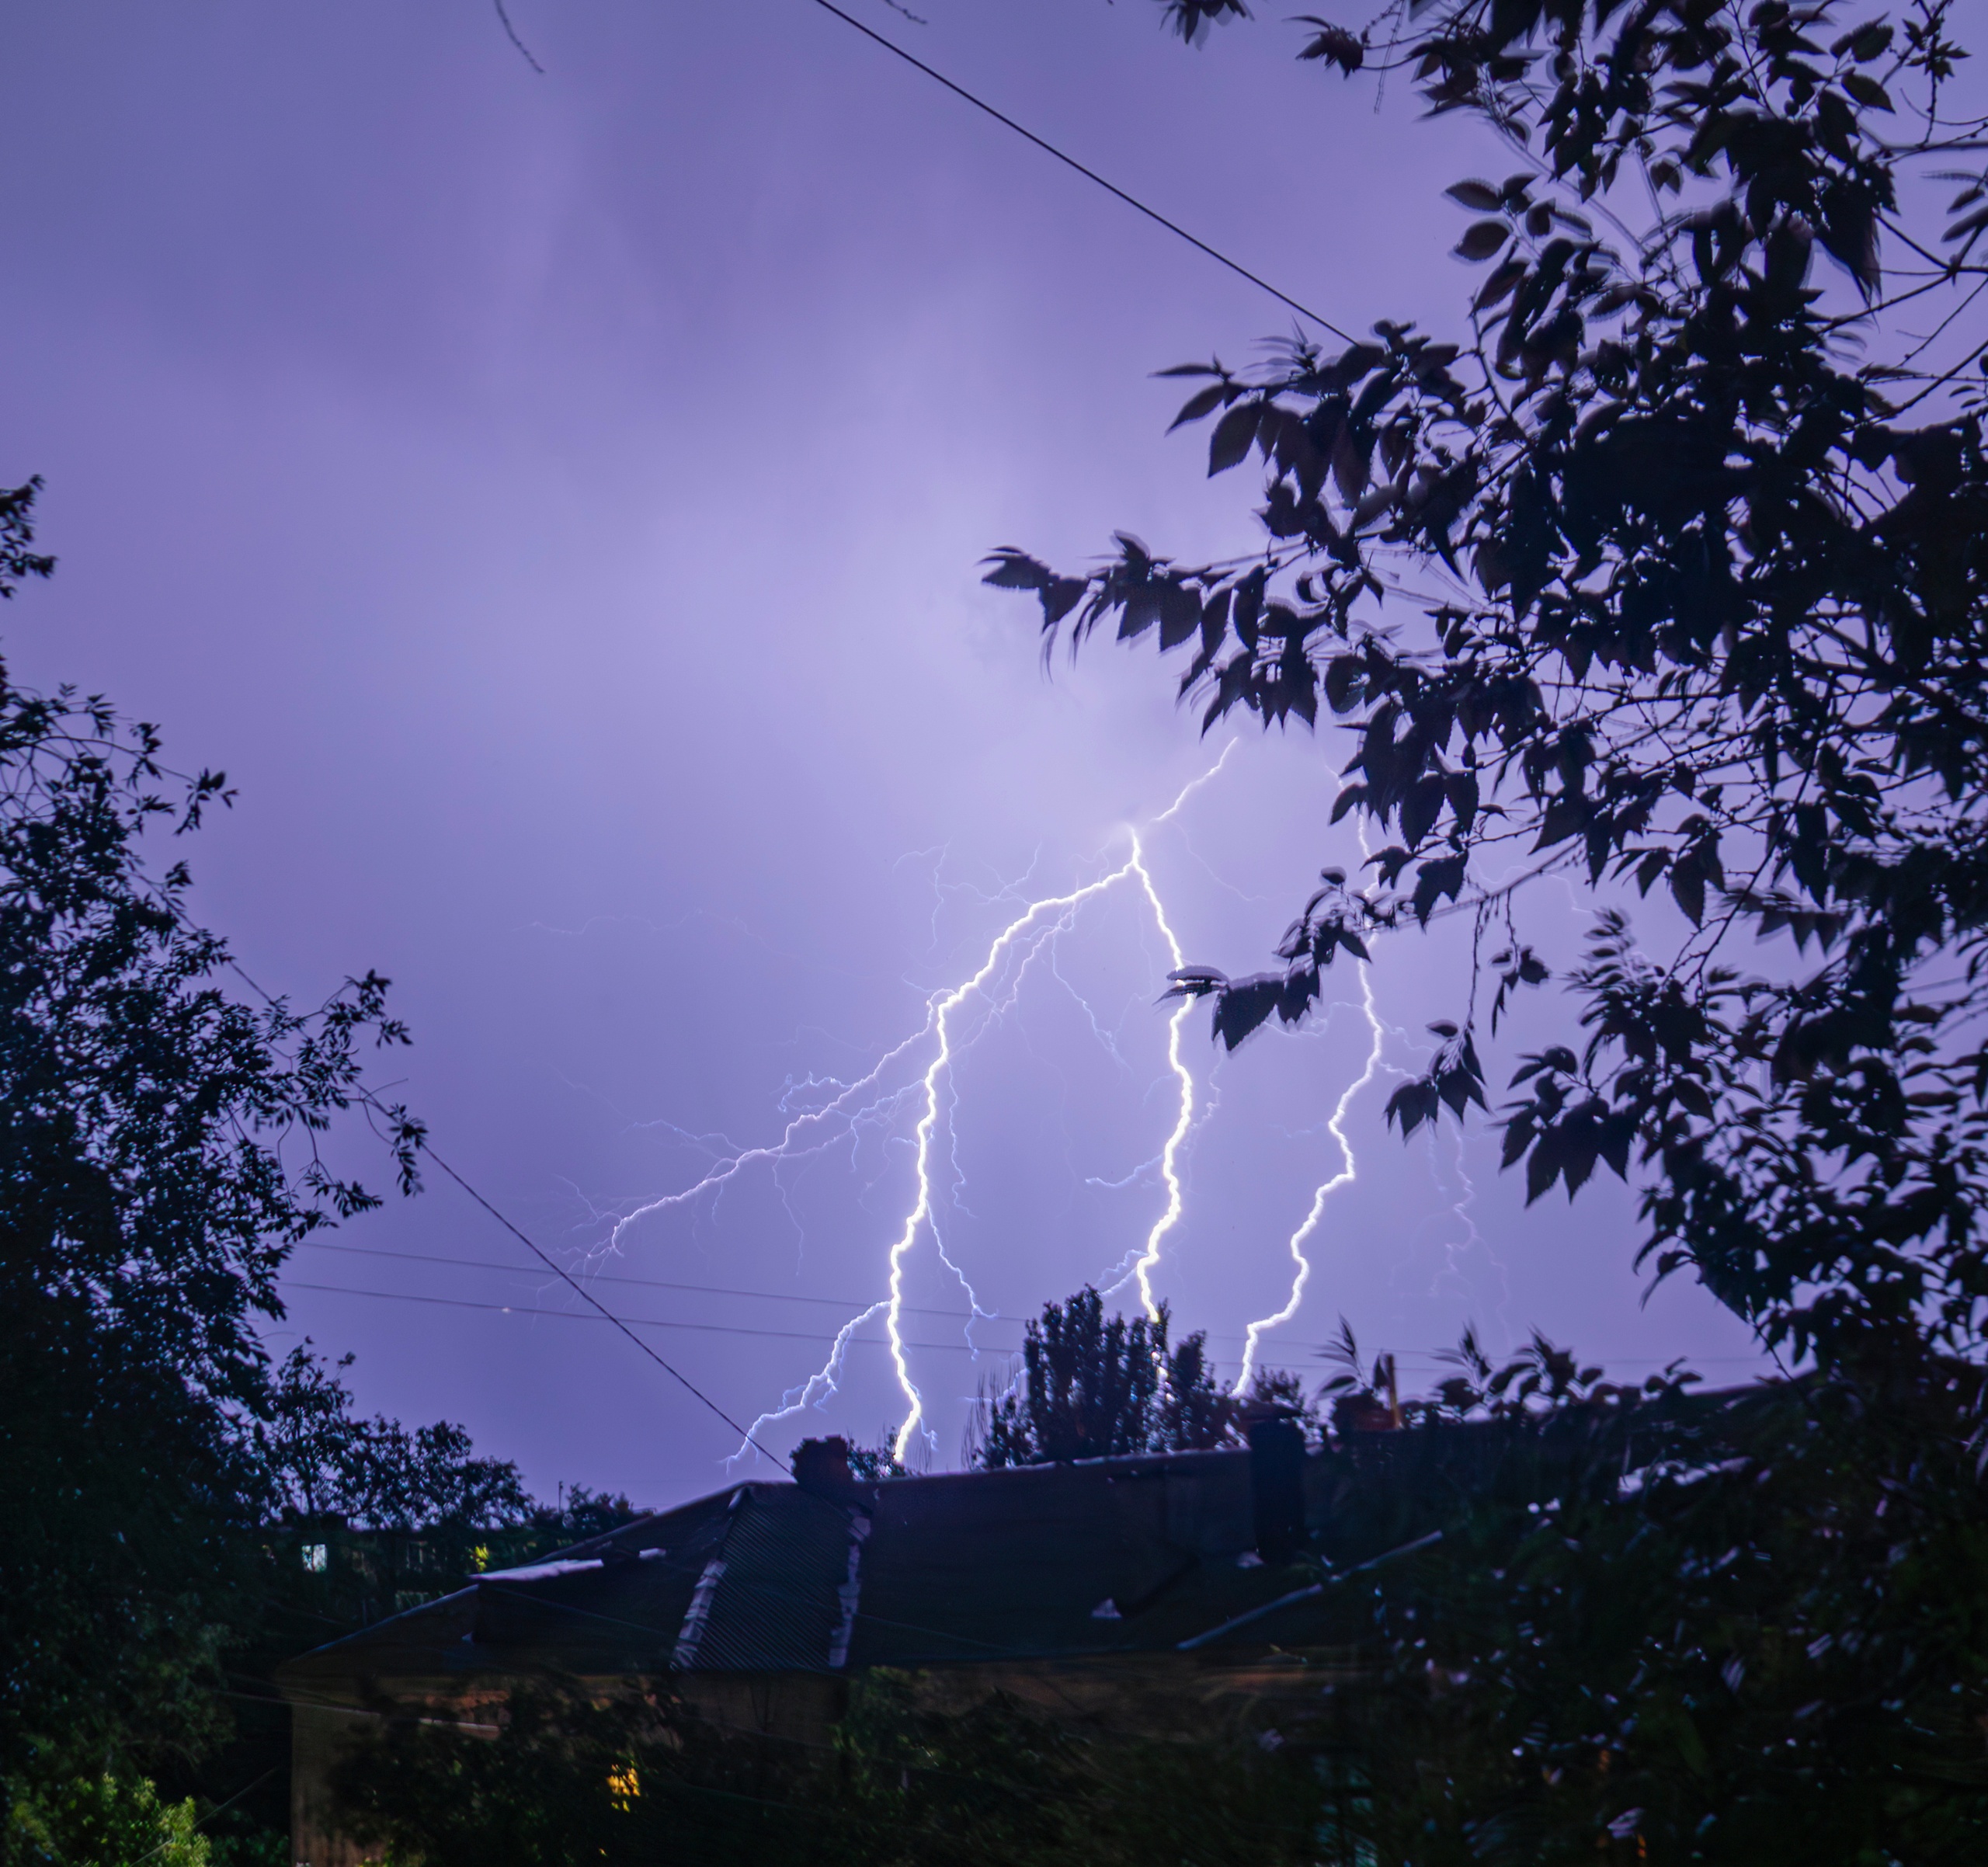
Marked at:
<point>1094,1386</point>
<point>1667,571</point>
<point>324,1462</point>
<point>1664,569</point>
<point>159,1156</point>
<point>913,1775</point>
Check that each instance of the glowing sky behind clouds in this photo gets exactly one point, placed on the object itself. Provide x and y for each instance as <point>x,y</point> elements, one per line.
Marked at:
<point>557,501</point>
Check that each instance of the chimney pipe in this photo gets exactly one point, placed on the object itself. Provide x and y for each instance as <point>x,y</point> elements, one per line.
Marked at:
<point>1276,1486</point>
<point>821,1466</point>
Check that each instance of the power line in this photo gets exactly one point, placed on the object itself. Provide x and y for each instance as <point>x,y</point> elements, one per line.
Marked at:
<point>1089,175</point>
<point>787,1335</point>
<point>639,1322</point>
<point>366,1097</point>
<point>586,1296</point>
<point>373,1102</point>
<point>656,1283</point>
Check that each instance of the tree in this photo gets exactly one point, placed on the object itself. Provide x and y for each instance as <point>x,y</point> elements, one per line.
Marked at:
<point>918,1776</point>
<point>157,1160</point>
<point>323,1461</point>
<point>1094,1386</point>
<point>103,1821</point>
<point>1727,1627</point>
<point>1666,567</point>
<point>581,1514</point>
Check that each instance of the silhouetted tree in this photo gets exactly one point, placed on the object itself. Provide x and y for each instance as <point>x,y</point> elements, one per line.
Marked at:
<point>1665,566</point>
<point>1095,1386</point>
<point>915,1778</point>
<point>157,1160</point>
<point>581,1514</point>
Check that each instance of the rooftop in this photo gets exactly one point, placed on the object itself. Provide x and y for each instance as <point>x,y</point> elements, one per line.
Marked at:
<point>1111,1558</point>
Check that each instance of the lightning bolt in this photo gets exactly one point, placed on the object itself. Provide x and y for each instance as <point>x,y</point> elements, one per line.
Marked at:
<point>1169,1156</point>
<point>1459,1209</point>
<point>1456,1250</point>
<point>1040,925</point>
<point>1348,1172</point>
<point>1062,909</point>
<point>799,1140</point>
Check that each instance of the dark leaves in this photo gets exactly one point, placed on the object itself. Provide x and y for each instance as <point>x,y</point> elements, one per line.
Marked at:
<point>1482,240</point>
<point>1516,966</point>
<point>1191,18</point>
<point>1243,1005</point>
<point>1654,571</point>
<point>1201,402</point>
<point>1453,1080</point>
<point>1501,284</point>
<point>1333,44</point>
<point>1233,437</point>
<point>1435,882</point>
<point>1683,583</point>
<point>148,1205</point>
<point>17,558</point>
<point>1016,570</point>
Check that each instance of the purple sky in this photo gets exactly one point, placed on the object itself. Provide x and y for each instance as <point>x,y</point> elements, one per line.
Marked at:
<point>557,501</point>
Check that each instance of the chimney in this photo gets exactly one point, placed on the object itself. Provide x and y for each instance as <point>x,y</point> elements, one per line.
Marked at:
<point>1276,1486</point>
<point>820,1468</point>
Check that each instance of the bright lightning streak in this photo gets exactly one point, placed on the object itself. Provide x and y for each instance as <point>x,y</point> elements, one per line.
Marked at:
<point>1458,1276</point>
<point>1183,1125</point>
<point>1345,1176</point>
<point>941,1021</point>
<point>837,1110</point>
<point>1041,923</point>
<point>1169,1155</point>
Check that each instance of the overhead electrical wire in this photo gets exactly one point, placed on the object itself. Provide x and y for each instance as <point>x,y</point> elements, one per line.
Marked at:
<point>1089,174</point>
<point>643,1283</point>
<point>719,1329</point>
<point>367,1099</point>
<point>781,1335</point>
<point>587,1296</point>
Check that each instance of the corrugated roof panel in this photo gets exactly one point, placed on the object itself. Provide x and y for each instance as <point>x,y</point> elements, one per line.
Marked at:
<point>775,1608</point>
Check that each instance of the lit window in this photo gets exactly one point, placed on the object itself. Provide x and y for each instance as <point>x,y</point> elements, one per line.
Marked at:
<point>317,1558</point>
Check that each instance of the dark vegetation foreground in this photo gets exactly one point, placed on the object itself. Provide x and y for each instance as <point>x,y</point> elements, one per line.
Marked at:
<point>1667,570</point>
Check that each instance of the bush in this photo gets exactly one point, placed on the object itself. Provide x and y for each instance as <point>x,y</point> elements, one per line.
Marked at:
<point>102,1821</point>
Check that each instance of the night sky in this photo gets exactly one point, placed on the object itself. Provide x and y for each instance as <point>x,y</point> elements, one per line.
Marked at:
<point>557,501</point>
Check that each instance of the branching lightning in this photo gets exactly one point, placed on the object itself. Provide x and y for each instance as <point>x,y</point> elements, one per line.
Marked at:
<point>1349,1172</point>
<point>1459,1208</point>
<point>806,1134</point>
<point>920,1074</point>
<point>1047,918</point>
<point>1169,1157</point>
<point>918,1081</point>
<point>1037,928</point>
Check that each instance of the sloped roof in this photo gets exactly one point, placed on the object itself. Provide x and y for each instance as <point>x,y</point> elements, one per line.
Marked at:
<point>1103,1560</point>
<point>1111,1557</point>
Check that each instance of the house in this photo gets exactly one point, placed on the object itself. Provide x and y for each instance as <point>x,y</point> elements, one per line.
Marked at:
<point>1152,1593</point>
